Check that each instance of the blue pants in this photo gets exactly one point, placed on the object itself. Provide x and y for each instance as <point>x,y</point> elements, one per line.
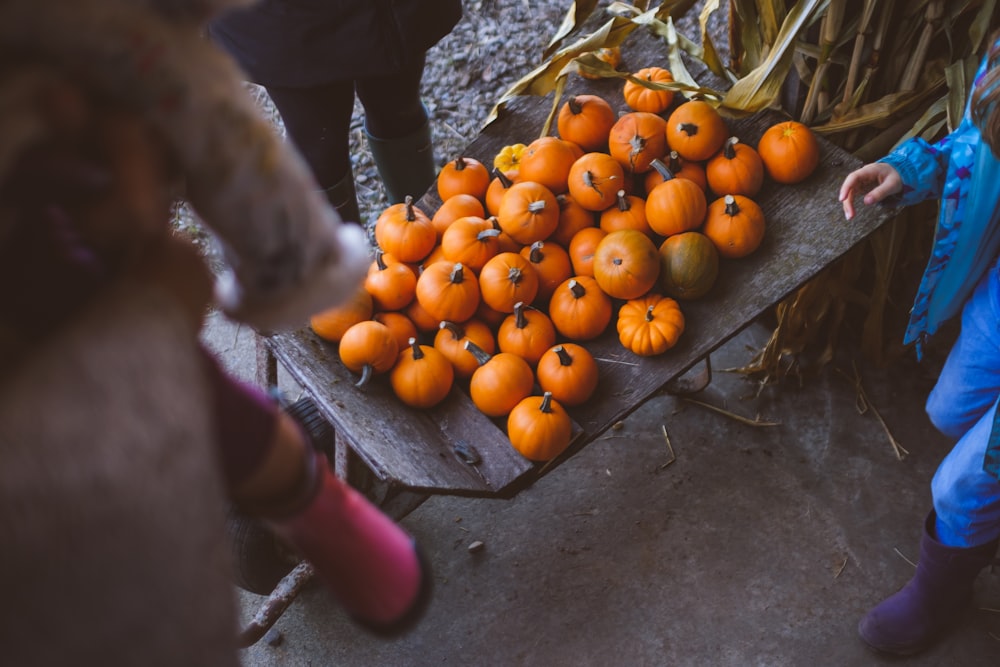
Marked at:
<point>963,405</point>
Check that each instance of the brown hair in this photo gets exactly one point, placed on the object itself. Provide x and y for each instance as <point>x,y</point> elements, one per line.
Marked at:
<point>986,98</point>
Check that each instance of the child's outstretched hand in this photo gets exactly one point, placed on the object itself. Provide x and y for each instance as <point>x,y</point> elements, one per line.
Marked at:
<point>882,176</point>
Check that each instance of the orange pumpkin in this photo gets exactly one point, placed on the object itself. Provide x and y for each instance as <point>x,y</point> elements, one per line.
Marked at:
<point>448,291</point>
<point>572,218</point>
<point>506,279</point>
<point>643,98</point>
<point>391,284</point>
<point>594,181</point>
<point>582,249</point>
<point>368,348</point>
<point>790,152</point>
<point>422,376</point>
<point>502,180</point>
<point>569,372</point>
<point>527,332</point>
<point>636,139</point>
<point>674,166</point>
<point>586,120</point>
<point>547,160</point>
<point>674,206</point>
<point>629,212</point>
<point>529,212</point>
<point>420,318</point>
<point>499,382</point>
<point>626,264</point>
<point>332,323</point>
<point>401,326</point>
<point>459,206</point>
<point>735,224</point>
<point>463,175</point>
<point>651,325</point>
<point>450,341</point>
<point>551,263</point>
<point>696,130</point>
<point>405,232</point>
<point>579,309</point>
<point>735,170</point>
<point>471,241</point>
<point>689,265</point>
<point>539,428</point>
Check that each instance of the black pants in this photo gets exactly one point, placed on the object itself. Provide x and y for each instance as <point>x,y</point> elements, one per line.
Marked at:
<point>318,118</point>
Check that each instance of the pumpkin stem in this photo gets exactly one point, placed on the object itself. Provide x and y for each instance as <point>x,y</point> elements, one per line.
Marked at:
<point>732,208</point>
<point>649,314</point>
<point>410,215</point>
<point>514,275</point>
<point>546,404</point>
<point>456,330</point>
<point>379,261</point>
<point>617,261</point>
<point>729,150</point>
<point>520,321</point>
<point>502,177</point>
<point>460,163</point>
<point>488,233</point>
<point>689,129</point>
<point>457,273</point>
<point>574,105</point>
<point>536,206</point>
<point>481,355</point>
<point>576,288</point>
<point>662,169</point>
<point>565,359</point>
<point>675,163</point>
<point>623,202</point>
<point>535,255</point>
<point>417,352</point>
<point>367,372</point>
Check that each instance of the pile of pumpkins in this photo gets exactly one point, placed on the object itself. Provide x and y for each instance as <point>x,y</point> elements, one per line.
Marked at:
<point>618,218</point>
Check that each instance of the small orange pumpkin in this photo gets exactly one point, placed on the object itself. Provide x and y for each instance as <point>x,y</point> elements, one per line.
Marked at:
<point>552,264</point>
<point>405,232</point>
<point>586,120</point>
<point>676,205</point>
<point>529,212</point>
<point>696,130</point>
<point>651,325</point>
<point>735,170</point>
<point>527,332</point>
<point>392,284</point>
<point>674,166</point>
<point>368,348</point>
<point>332,323</point>
<point>448,291</point>
<point>539,428</point>
<point>450,341</point>
<point>636,139</point>
<point>499,382</point>
<point>472,241</point>
<point>594,181</point>
<point>547,160</point>
<point>463,175</point>
<point>569,372</point>
<point>643,98</point>
<point>459,206</point>
<point>422,376</point>
<point>582,249</point>
<point>629,212</point>
<point>502,180</point>
<point>572,218</point>
<point>506,279</point>
<point>735,224</point>
<point>790,152</point>
<point>626,264</point>
<point>401,326</point>
<point>579,309</point>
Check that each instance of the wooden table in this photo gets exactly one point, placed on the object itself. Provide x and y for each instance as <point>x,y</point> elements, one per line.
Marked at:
<point>415,449</point>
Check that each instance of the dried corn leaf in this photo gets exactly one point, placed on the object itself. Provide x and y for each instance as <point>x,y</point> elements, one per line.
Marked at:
<point>579,11</point>
<point>710,55</point>
<point>880,112</point>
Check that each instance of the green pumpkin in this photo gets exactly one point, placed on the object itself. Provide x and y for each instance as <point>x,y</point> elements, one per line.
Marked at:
<point>689,265</point>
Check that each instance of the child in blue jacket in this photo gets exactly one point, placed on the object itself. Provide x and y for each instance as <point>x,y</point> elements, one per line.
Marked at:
<point>962,531</point>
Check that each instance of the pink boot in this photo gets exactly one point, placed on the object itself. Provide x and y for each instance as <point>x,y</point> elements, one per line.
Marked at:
<point>368,562</point>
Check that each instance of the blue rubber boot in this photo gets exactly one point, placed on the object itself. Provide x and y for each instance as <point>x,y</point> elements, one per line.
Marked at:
<point>908,621</point>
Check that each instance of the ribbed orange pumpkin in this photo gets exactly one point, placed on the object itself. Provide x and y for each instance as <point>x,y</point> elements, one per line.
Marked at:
<point>674,206</point>
<point>626,264</point>
<point>636,139</point>
<point>641,98</point>
<point>689,265</point>
<point>547,160</point>
<point>735,224</point>
<point>539,428</point>
<point>569,372</point>
<point>696,130</point>
<point>735,170</point>
<point>529,212</point>
<point>650,325</point>
<point>586,120</point>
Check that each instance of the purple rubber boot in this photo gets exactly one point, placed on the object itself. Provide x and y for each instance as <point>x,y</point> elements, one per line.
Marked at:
<point>908,621</point>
